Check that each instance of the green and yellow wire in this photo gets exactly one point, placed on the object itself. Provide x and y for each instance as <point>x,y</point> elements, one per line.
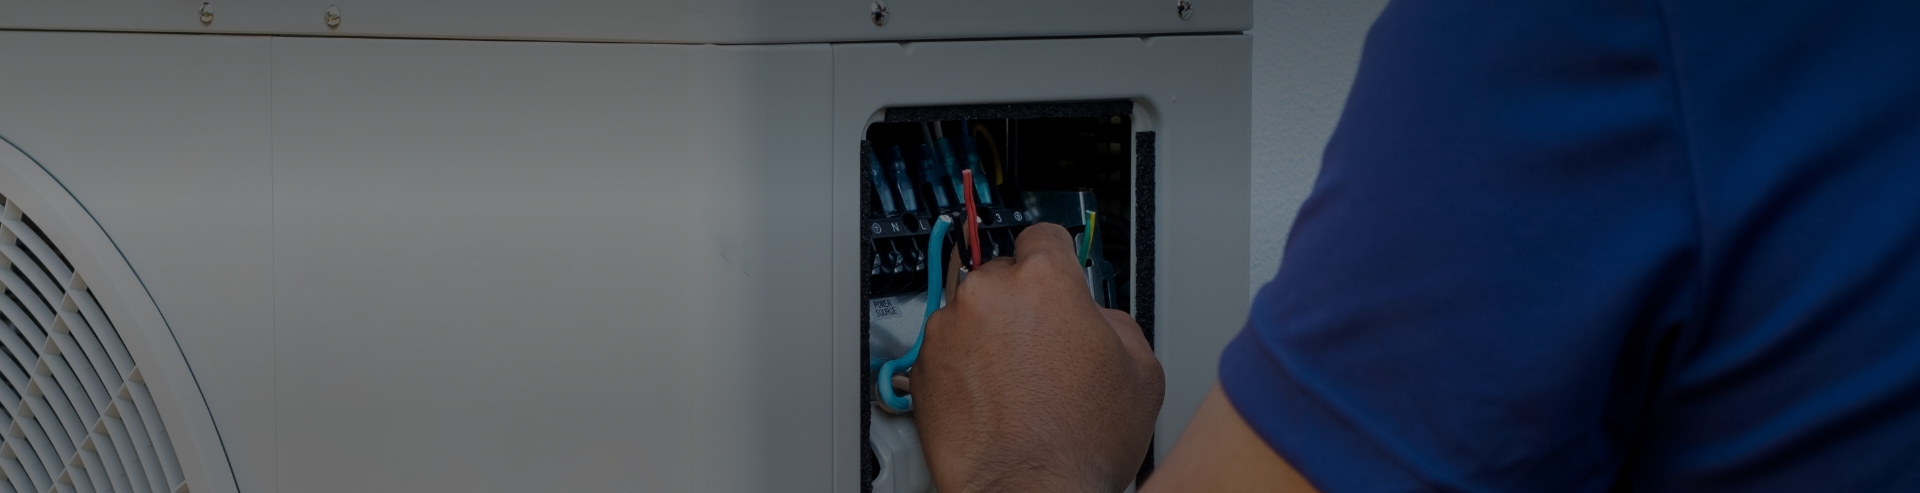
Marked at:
<point>1086,247</point>
<point>980,131</point>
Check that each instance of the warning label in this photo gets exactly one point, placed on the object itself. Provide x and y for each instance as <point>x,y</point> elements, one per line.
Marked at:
<point>882,309</point>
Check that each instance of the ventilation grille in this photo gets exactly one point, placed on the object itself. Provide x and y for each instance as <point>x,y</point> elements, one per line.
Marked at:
<point>78,415</point>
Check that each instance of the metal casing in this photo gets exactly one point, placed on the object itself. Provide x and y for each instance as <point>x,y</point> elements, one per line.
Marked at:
<point>435,265</point>
<point>655,21</point>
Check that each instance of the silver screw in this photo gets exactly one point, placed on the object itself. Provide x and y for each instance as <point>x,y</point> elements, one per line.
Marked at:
<point>879,13</point>
<point>1185,9</point>
<point>333,16</point>
<point>206,13</point>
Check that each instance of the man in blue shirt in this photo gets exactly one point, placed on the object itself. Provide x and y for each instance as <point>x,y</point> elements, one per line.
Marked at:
<point>1628,245</point>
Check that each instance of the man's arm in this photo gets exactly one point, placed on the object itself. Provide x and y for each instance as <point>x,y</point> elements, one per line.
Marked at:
<point>1024,384</point>
<point>1218,452</point>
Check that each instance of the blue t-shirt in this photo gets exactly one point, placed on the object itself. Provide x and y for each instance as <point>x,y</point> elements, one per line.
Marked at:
<point>1607,246</point>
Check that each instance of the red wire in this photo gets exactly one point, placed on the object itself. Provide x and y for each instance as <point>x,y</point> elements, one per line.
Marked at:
<point>973,219</point>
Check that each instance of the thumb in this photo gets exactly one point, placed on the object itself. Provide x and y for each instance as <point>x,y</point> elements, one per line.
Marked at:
<point>1132,338</point>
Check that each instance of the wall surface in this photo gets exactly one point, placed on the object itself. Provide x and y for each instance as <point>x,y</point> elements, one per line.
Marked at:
<point>1305,53</point>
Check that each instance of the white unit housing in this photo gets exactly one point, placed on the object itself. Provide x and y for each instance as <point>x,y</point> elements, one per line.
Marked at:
<point>351,259</point>
<point>652,21</point>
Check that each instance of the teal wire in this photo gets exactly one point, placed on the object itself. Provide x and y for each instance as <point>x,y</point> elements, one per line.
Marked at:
<point>935,245</point>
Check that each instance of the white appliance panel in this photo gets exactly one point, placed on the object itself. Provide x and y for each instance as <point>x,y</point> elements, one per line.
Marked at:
<point>711,21</point>
<point>548,266</point>
<point>438,265</point>
<point>164,140</point>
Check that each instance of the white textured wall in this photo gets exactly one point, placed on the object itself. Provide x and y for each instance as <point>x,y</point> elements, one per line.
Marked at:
<point>1304,56</point>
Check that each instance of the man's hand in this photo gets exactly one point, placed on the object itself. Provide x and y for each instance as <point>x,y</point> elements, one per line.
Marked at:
<point>1024,384</point>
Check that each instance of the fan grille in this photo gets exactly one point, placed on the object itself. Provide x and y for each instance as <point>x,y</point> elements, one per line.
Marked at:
<point>78,415</point>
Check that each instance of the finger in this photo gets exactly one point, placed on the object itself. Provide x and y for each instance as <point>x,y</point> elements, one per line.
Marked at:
<point>1153,377</point>
<point>1047,243</point>
<point>953,275</point>
<point>1131,336</point>
<point>996,264</point>
<point>985,278</point>
<point>934,337</point>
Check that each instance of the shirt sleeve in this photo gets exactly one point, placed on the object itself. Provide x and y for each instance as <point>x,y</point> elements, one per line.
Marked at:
<point>1501,242</point>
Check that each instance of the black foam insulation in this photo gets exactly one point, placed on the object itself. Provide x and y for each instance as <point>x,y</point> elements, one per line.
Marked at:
<point>869,465</point>
<point>1143,210</point>
<point>1018,111</point>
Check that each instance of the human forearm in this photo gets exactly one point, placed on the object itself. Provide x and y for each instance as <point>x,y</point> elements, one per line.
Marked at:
<point>1218,452</point>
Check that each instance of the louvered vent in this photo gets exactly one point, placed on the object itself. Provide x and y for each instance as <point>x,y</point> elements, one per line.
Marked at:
<point>78,414</point>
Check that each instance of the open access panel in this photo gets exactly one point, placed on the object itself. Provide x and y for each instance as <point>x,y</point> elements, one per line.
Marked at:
<point>1077,164</point>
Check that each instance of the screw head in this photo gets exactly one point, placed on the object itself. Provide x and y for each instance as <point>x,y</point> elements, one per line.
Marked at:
<point>1185,9</point>
<point>879,13</point>
<point>206,13</point>
<point>333,16</point>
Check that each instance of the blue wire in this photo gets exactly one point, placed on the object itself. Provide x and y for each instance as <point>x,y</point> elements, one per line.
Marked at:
<point>893,401</point>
